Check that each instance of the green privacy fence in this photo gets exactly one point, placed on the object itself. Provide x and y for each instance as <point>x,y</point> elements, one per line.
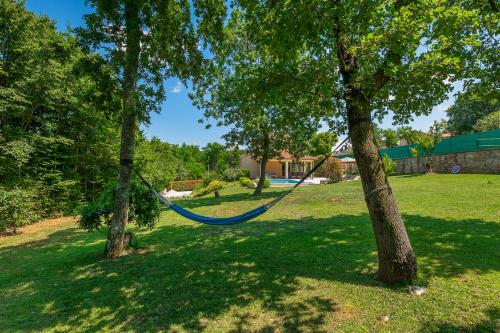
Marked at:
<point>457,144</point>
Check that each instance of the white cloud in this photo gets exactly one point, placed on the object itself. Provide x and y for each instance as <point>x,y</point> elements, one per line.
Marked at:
<point>177,88</point>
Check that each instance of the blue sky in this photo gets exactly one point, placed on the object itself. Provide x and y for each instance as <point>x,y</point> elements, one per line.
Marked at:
<point>177,122</point>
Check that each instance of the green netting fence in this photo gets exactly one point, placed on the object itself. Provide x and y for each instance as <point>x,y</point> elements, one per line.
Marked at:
<point>457,144</point>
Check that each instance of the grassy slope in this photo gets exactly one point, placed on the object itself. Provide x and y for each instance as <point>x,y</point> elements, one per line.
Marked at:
<point>306,265</point>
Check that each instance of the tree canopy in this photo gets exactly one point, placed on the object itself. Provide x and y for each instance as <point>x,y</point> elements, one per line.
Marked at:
<point>391,138</point>
<point>322,143</point>
<point>489,122</point>
<point>467,111</point>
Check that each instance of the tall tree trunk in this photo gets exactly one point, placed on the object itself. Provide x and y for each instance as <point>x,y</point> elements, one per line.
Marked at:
<point>213,165</point>
<point>263,164</point>
<point>114,244</point>
<point>396,259</point>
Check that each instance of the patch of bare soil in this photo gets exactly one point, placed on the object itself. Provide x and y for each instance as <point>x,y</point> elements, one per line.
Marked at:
<point>53,223</point>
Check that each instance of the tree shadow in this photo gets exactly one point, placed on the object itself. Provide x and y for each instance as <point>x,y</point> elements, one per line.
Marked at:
<point>196,273</point>
<point>450,247</point>
<point>490,324</point>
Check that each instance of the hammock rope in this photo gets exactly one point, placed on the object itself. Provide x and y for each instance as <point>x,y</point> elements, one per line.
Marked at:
<point>233,219</point>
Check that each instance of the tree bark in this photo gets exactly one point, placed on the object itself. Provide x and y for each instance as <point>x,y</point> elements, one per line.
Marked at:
<point>396,260</point>
<point>114,244</point>
<point>263,164</point>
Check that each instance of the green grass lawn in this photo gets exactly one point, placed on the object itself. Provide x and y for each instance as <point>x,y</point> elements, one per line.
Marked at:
<point>307,265</point>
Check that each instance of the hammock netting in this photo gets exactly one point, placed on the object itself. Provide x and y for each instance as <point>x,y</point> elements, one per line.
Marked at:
<point>219,220</point>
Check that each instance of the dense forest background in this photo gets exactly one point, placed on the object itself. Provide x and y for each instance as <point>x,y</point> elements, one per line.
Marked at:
<point>59,124</point>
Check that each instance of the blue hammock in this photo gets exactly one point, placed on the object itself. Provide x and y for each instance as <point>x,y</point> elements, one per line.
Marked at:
<point>233,219</point>
<point>219,220</point>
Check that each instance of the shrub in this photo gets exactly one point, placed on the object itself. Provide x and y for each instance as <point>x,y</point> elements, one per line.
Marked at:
<point>267,183</point>
<point>144,208</point>
<point>333,170</point>
<point>247,182</point>
<point>214,186</point>
<point>198,187</point>
<point>17,208</point>
<point>389,165</point>
<point>234,174</point>
<point>185,185</point>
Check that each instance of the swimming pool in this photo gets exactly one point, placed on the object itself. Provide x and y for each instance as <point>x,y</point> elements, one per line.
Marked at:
<point>283,181</point>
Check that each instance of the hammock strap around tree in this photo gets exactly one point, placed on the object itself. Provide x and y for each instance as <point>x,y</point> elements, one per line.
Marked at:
<point>227,220</point>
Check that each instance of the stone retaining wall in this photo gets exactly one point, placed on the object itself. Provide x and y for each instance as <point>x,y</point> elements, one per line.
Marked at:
<point>485,161</point>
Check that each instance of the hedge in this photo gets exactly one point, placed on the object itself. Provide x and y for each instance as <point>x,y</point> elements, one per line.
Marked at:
<point>185,185</point>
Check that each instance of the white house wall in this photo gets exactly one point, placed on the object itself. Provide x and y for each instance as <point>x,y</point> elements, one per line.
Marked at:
<point>246,162</point>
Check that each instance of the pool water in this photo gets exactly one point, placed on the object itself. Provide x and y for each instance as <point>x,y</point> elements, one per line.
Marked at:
<point>283,181</point>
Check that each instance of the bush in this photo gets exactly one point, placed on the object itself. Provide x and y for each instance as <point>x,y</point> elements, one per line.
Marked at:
<point>333,170</point>
<point>389,165</point>
<point>267,183</point>
<point>234,174</point>
<point>17,208</point>
<point>144,208</point>
<point>214,186</point>
<point>198,187</point>
<point>247,182</point>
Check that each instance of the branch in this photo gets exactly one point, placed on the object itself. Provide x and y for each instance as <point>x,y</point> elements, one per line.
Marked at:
<point>493,5</point>
<point>380,76</point>
<point>347,61</point>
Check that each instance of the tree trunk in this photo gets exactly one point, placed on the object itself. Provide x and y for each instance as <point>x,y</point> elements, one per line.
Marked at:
<point>396,260</point>
<point>114,244</point>
<point>263,164</point>
<point>213,165</point>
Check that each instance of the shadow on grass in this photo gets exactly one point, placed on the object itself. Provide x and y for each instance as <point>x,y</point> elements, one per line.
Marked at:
<point>194,274</point>
<point>490,324</point>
